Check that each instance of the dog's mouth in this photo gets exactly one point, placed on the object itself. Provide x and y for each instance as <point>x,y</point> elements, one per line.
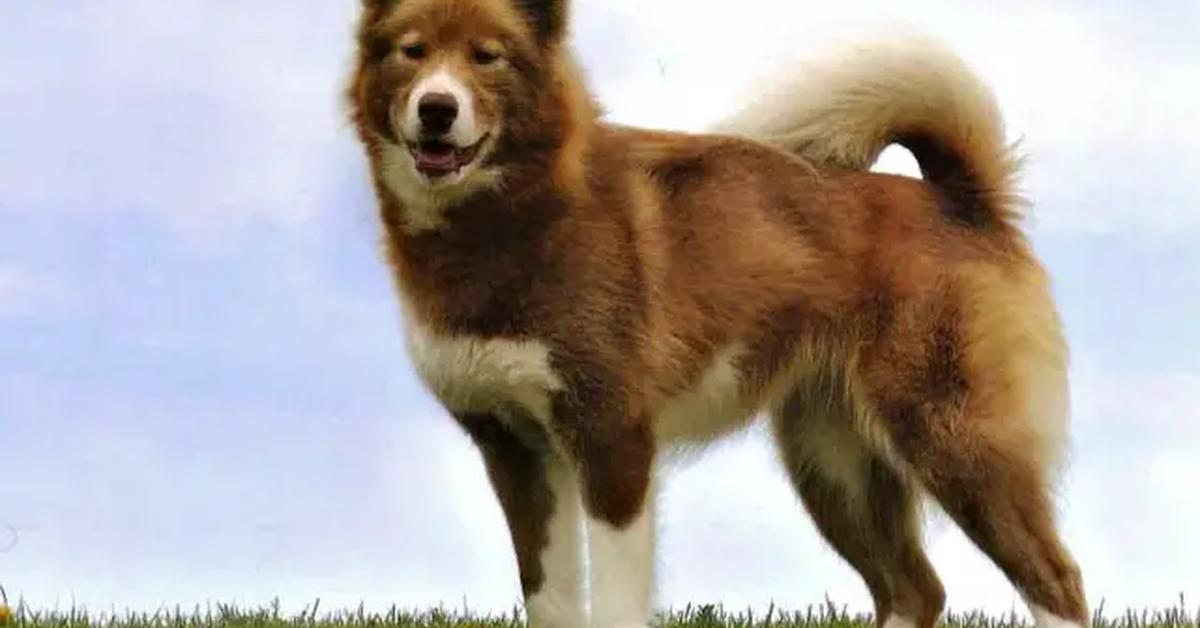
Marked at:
<point>437,158</point>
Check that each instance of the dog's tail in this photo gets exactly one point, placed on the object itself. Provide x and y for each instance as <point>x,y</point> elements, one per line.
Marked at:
<point>913,92</point>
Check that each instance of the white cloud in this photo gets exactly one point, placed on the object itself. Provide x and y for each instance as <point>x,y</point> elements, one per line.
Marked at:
<point>1164,404</point>
<point>205,113</point>
<point>24,291</point>
<point>733,531</point>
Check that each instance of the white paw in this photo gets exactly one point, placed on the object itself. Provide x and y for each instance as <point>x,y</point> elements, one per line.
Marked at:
<point>1045,619</point>
<point>549,611</point>
<point>896,621</point>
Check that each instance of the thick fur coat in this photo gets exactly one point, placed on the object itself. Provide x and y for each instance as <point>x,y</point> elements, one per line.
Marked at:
<point>583,296</point>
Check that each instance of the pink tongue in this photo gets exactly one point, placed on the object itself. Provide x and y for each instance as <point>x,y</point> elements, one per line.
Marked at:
<point>440,160</point>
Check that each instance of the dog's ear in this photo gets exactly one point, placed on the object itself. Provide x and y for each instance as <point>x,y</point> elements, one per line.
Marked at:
<point>547,17</point>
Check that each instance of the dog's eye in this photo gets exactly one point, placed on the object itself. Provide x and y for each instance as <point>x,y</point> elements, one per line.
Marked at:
<point>484,57</point>
<point>414,51</point>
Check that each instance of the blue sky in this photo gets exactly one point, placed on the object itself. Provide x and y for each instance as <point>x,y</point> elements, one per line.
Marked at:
<point>203,394</point>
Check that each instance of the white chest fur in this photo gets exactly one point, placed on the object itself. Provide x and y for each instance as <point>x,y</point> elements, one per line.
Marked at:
<point>469,374</point>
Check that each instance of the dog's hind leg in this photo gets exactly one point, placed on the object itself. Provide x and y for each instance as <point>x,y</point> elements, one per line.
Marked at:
<point>539,493</point>
<point>864,509</point>
<point>997,490</point>
<point>980,420</point>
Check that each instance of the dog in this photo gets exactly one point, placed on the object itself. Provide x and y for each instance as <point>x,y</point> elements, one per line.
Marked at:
<point>584,297</point>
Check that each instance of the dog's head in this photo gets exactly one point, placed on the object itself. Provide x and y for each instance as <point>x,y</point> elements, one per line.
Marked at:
<point>450,93</point>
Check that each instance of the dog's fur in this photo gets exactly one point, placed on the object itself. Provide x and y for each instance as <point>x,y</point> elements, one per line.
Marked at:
<point>581,296</point>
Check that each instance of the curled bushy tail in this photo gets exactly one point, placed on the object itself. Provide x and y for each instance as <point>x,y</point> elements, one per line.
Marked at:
<point>913,92</point>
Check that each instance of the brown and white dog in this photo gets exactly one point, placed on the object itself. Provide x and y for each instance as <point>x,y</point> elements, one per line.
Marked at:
<point>582,297</point>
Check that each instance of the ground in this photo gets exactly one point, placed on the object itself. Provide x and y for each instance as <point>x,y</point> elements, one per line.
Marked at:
<point>705,616</point>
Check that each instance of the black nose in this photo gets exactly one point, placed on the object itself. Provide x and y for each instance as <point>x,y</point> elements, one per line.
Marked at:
<point>437,113</point>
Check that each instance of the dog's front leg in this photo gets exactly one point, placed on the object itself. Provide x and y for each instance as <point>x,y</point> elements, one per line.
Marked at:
<point>539,492</point>
<point>620,517</point>
<point>616,458</point>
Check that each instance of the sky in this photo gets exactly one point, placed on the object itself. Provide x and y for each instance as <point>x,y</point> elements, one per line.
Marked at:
<point>203,391</point>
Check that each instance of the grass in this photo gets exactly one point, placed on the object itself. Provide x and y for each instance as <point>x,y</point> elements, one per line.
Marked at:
<point>828,615</point>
